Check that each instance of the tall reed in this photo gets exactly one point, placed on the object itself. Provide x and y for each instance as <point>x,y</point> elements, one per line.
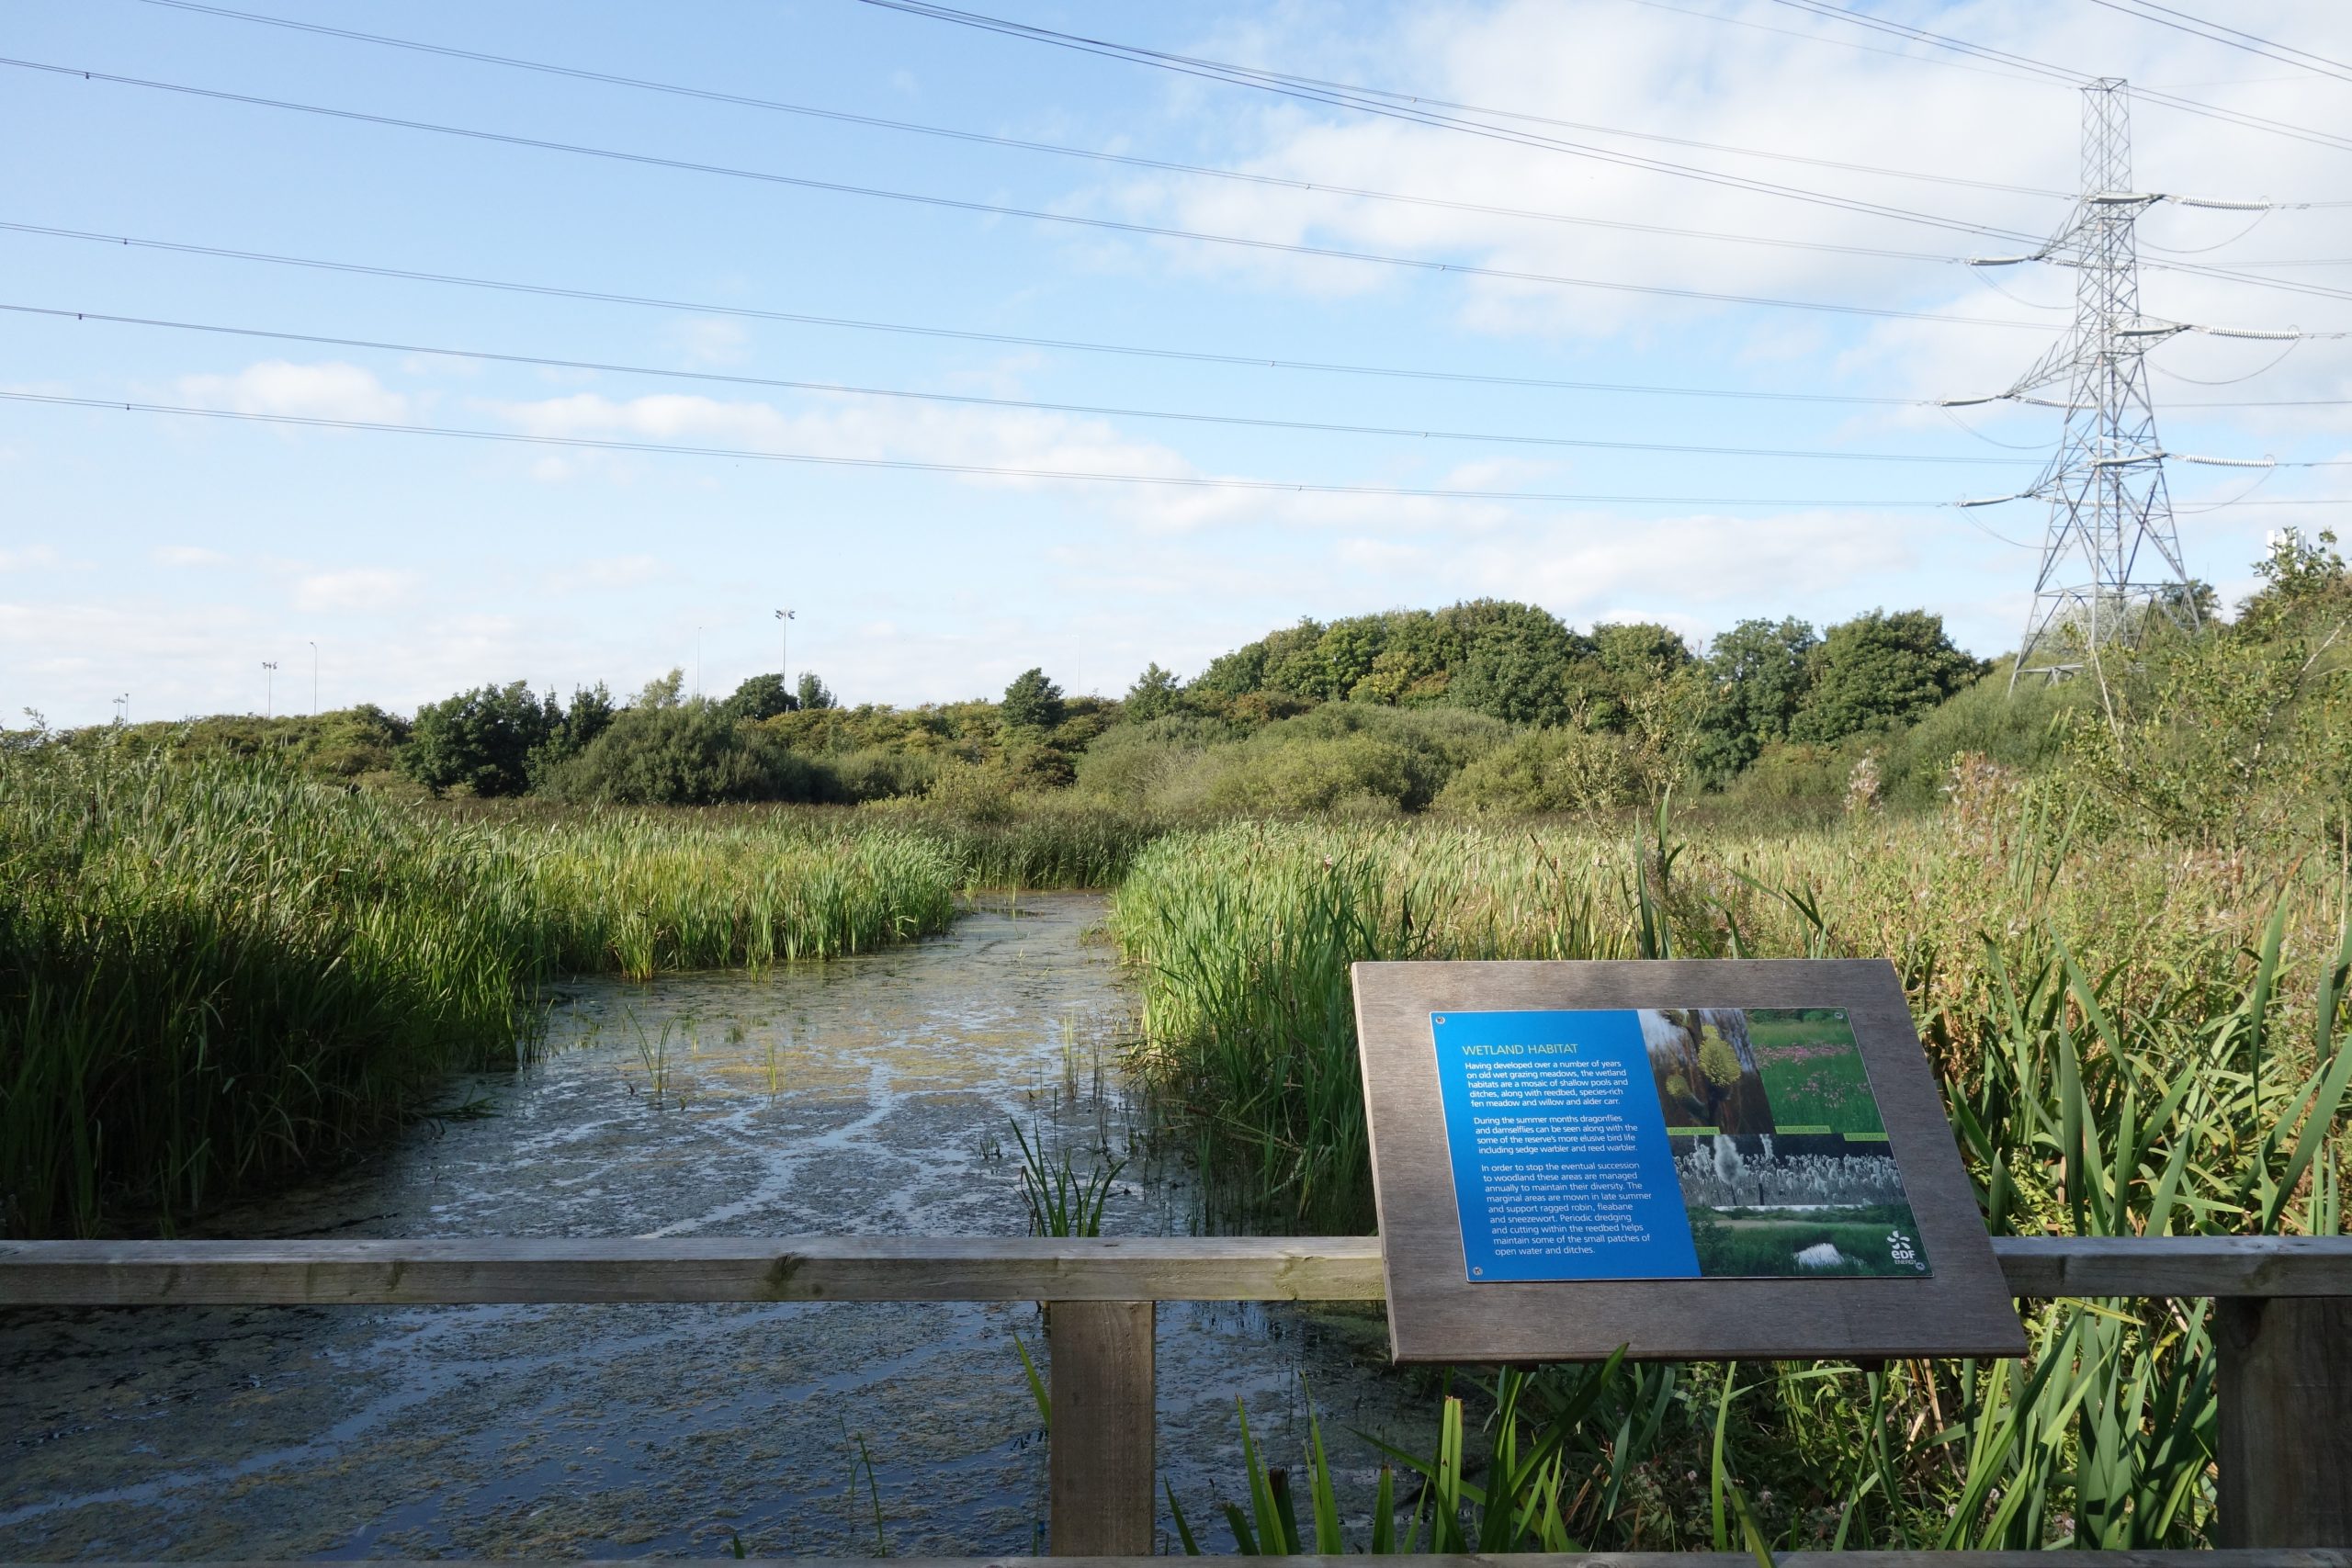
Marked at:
<point>214,975</point>
<point>2143,1041</point>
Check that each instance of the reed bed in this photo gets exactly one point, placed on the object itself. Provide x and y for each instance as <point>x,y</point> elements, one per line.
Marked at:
<point>2134,1039</point>
<point>213,976</point>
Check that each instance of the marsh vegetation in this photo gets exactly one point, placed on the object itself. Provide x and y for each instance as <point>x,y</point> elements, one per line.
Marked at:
<point>2119,910</point>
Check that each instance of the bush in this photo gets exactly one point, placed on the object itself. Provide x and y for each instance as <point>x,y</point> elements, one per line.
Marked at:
<point>1358,756</point>
<point>691,753</point>
<point>1548,771</point>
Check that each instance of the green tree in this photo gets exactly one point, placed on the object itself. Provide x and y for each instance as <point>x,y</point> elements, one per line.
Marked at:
<point>1032,702</point>
<point>1521,663</point>
<point>1347,649</point>
<point>590,714</point>
<point>480,740</point>
<point>761,696</point>
<point>814,695</point>
<point>1758,673</point>
<point>1235,674</point>
<point>1878,672</point>
<point>1639,651</point>
<point>1156,693</point>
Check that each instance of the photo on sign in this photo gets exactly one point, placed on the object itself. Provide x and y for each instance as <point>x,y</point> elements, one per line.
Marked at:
<point>1782,1159</point>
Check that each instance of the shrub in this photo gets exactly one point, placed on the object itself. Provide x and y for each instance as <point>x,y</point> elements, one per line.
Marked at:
<point>1548,771</point>
<point>689,754</point>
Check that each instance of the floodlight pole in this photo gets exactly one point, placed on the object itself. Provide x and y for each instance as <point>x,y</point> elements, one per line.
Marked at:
<point>269,681</point>
<point>784,648</point>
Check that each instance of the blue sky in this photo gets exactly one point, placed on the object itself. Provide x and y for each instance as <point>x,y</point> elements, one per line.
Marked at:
<point>166,556</point>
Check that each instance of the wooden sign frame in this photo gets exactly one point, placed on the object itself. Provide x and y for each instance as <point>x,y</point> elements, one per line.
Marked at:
<point>1436,1312</point>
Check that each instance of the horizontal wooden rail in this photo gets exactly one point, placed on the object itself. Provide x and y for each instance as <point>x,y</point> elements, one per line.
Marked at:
<point>762,1268</point>
<point>2284,1333</point>
<point>2290,1557</point>
<point>976,1268</point>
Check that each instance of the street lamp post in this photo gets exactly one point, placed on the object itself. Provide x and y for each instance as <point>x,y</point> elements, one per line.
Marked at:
<point>123,702</point>
<point>269,679</point>
<point>784,648</point>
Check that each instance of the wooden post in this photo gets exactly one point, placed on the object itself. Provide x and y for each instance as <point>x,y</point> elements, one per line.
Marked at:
<point>2285,1386</point>
<point>1099,1458</point>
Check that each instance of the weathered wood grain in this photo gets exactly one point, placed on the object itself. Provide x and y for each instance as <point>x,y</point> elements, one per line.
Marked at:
<point>2285,1392</point>
<point>689,1268</point>
<point>1437,1313</point>
<point>1100,1453</point>
<point>768,1269</point>
<point>2049,1267</point>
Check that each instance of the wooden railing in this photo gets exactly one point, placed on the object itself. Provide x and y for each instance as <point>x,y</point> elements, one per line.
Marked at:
<point>2283,1327</point>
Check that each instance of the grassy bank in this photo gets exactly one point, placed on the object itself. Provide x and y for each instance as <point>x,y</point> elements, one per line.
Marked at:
<point>2134,1039</point>
<point>1242,935</point>
<point>212,975</point>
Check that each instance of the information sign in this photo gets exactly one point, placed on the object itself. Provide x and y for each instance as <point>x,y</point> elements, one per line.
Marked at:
<point>1699,1158</point>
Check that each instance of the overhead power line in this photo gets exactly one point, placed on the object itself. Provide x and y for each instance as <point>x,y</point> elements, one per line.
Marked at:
<point>747,101</point>
<point>1419,110</point>
<point>976,400</point>
<point>1170,481</point>
<point>1149,231</point>
<point>2059,74</point>
<point>1079,345</point>
<point>1384,102</point>
<point>2214,32</point>
<point>1174,481</point>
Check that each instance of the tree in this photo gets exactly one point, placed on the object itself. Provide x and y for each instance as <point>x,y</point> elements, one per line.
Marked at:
<point>662,691</point>
<point>480,740</point>
<point>1760,672</point>
<point>1033,701</point>
<point>814,693</point>
<point>1878,672</point>
<point>761,696</point>
<point>591,715</point>
<point>1520,663</point>
<point>1639,651</point>
<point>1155,692</point>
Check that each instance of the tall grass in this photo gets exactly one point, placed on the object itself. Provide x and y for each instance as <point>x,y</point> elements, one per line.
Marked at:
<point>2133,1040</point>
<point>211,975</point>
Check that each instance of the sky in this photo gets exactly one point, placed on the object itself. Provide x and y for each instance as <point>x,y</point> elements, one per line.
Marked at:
<point>155,563</point>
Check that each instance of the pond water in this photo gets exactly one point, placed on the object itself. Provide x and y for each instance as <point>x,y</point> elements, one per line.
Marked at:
<point>876,1095</point>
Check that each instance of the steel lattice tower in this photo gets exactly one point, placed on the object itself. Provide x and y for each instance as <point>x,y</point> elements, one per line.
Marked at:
<point>2110,507</point>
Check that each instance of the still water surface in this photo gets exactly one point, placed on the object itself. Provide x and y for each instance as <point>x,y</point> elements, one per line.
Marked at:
<point>873,1096</point>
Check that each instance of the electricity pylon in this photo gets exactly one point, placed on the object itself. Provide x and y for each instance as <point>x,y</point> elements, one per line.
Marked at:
<point>2110,509</point>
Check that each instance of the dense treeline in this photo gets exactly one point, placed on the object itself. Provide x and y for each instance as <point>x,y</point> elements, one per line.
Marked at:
<point>1484,706</point>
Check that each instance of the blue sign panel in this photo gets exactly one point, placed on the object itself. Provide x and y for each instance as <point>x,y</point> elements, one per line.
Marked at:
<point>1669,1144</point>
<point>1561,1164</point>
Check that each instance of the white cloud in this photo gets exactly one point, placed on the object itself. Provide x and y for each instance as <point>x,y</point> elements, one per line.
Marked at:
<point>30,557</point>
<point>328,390</point>
<point>1824,95</point>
